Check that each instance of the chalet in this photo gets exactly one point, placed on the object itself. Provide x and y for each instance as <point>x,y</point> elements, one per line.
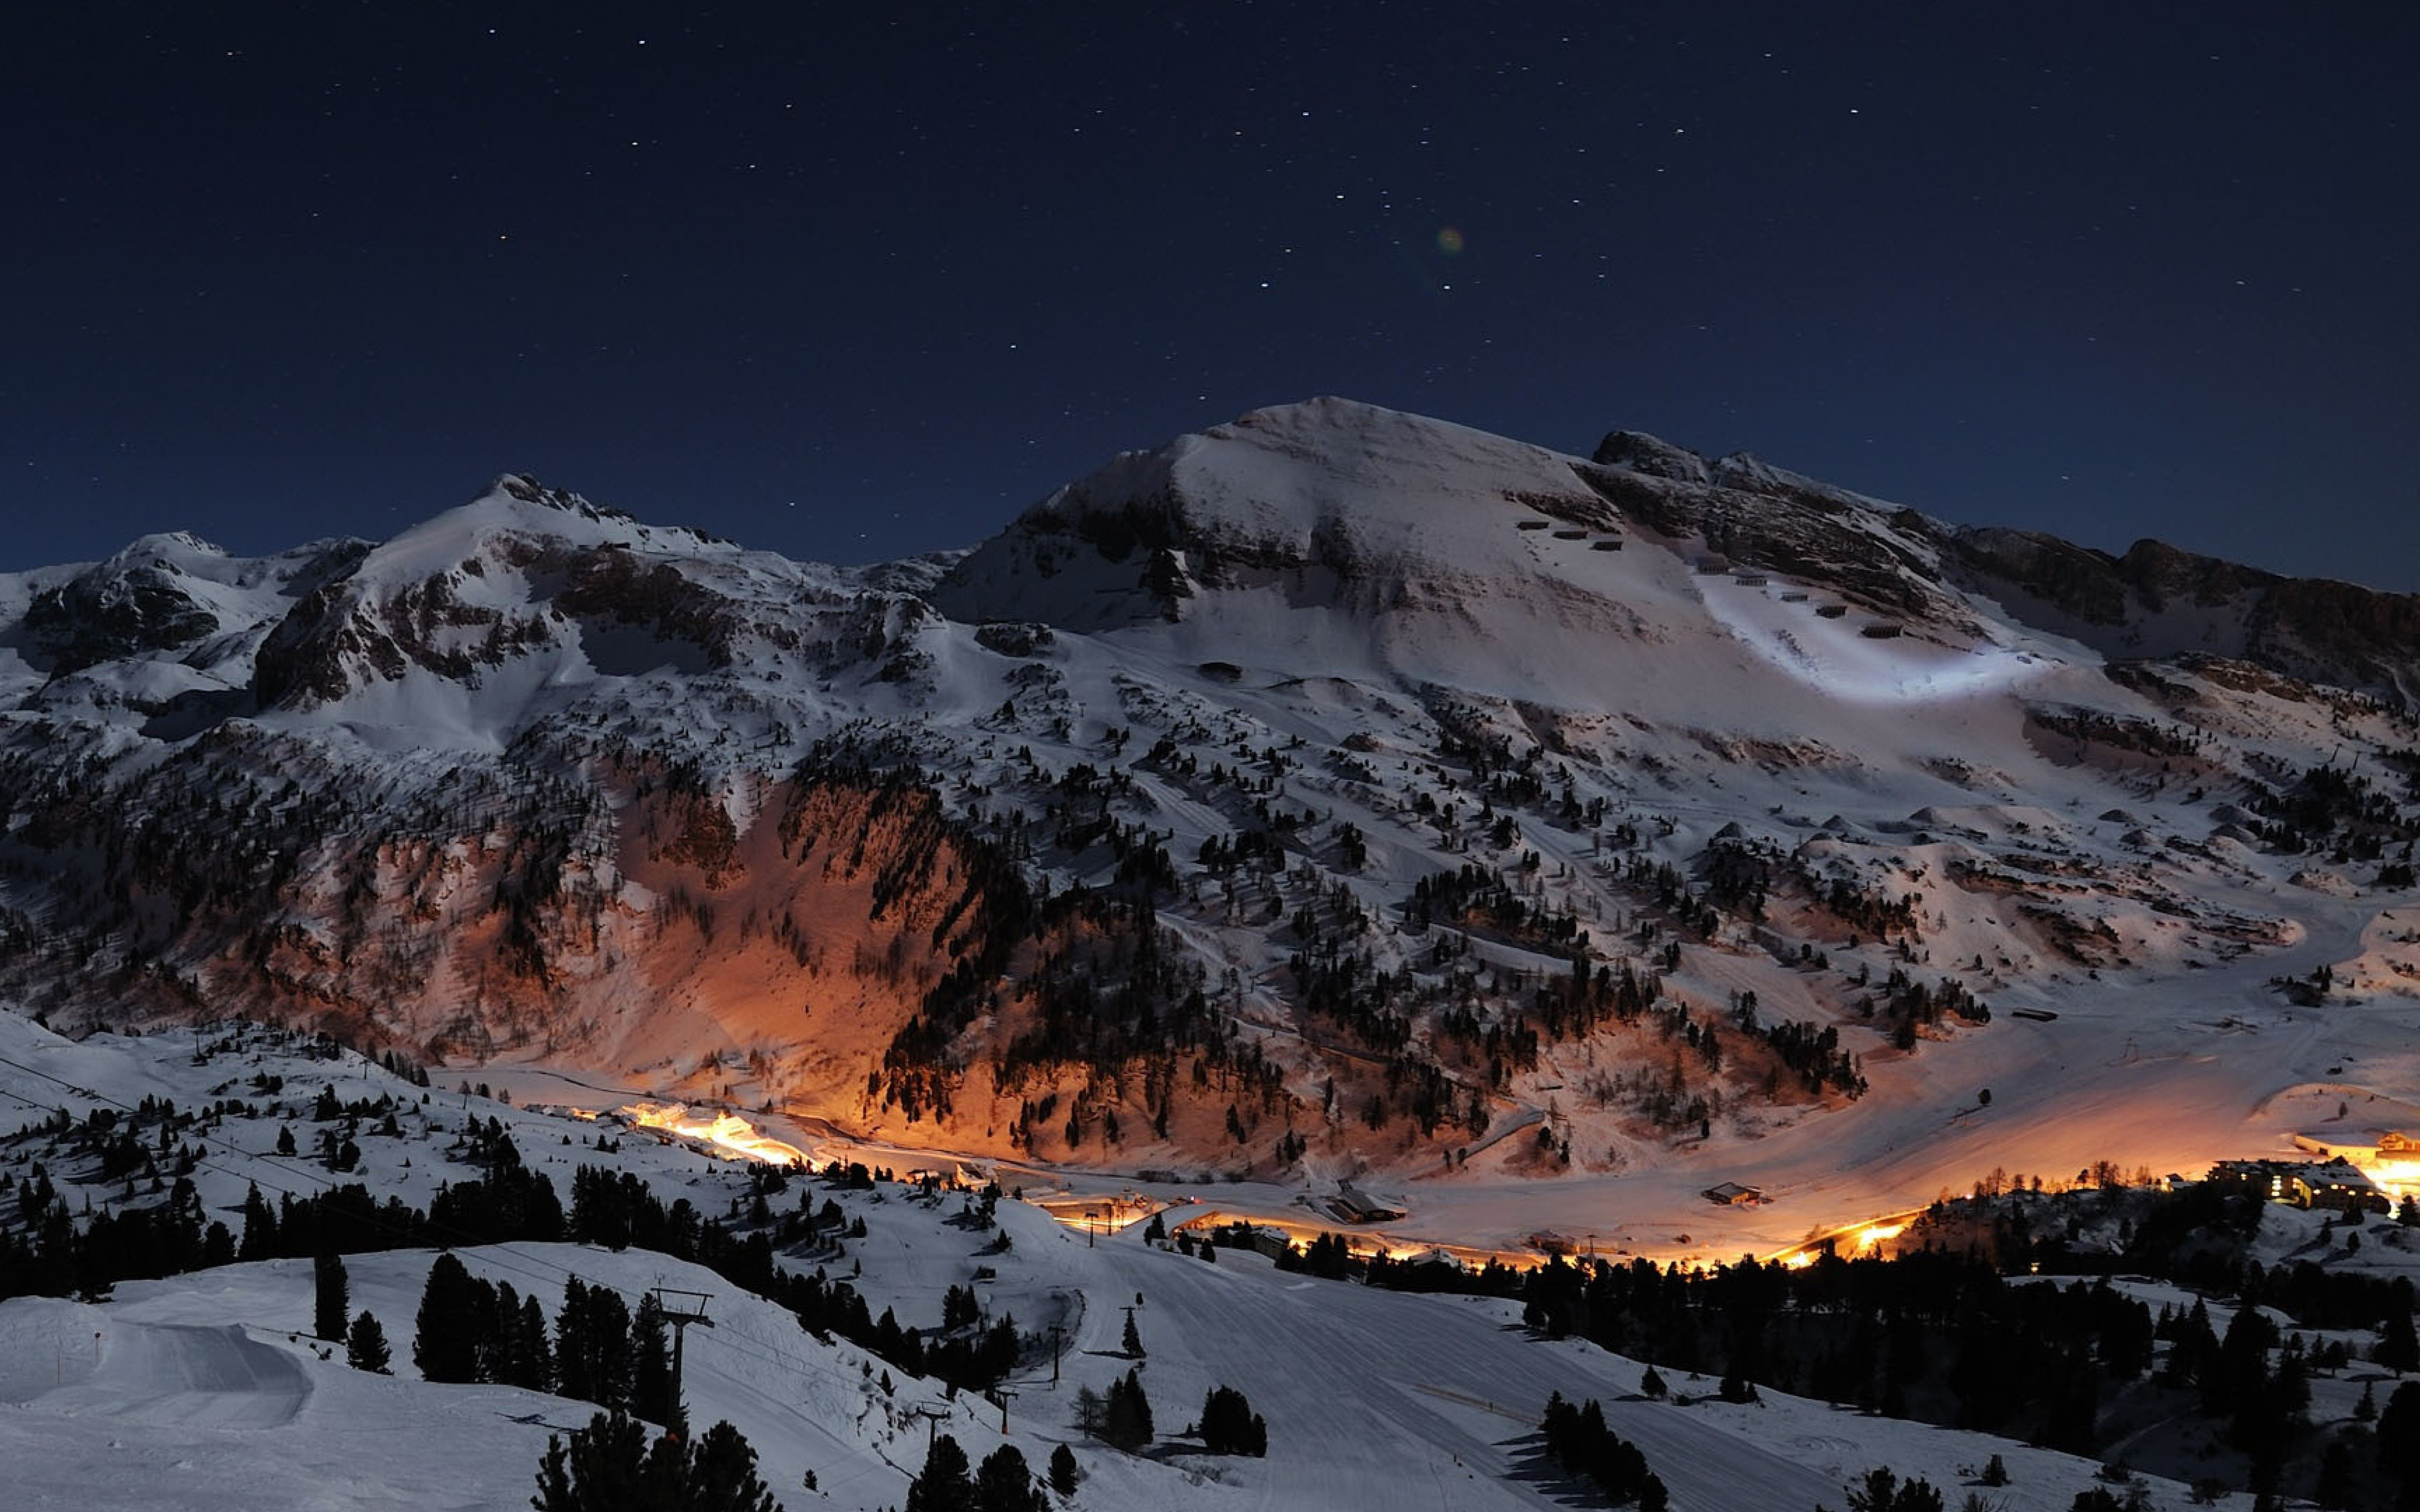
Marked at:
<point>1260,1239</point>
<point>1435,1268</point>
<point>2335,1183</point>
<point>1732,1194</point>
<point>2338,1184</point>
<point>1359,1207</point>
<point>2387,1142</point>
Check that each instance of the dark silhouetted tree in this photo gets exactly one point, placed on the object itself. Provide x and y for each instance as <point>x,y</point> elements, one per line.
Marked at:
<point>2399,1347</point>
<point>1005,1484</point>
<point>1125,1413</point>
<point>365,1345</point>
<point>1064,1474</point>
<point>609,1467</point>
<point>944,1486</point>
<point>653,1395</point>
<point>330,1300</point>
<point>1229,1425</point>
<point>719,1473</point>
<point>446,1332</point>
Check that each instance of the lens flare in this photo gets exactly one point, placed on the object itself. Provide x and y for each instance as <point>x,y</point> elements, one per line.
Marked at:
<point>1450,240</point>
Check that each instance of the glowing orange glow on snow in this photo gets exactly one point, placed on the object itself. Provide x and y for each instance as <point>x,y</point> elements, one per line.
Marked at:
<point>1875,1234</point>
<point>2398,1179</point>
<point>1098,1214</point>
<point>727,1131</point>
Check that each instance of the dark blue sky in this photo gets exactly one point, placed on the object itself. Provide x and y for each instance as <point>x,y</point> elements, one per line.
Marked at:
<point>851,281</point>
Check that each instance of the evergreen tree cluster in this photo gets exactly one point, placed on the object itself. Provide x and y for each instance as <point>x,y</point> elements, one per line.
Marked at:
<point>1003,1483</point>
<point>1929,1335</point>
<point>471,1330</point>
<point>1229,1425</point>
<point>610,1466</point>
<point>331,1297</point>
<point>1122,1417</point>
<point>1942,1336</point>
<point>1580,1443</point>
<point>1882,1491</point>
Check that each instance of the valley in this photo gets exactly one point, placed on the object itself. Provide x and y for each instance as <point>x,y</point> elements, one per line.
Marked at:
<point>1331,799</point>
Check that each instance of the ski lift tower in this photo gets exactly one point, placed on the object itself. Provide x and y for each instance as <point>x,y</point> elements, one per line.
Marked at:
<point>680,1309</point>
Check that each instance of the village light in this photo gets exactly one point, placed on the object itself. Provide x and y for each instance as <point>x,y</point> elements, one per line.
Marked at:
<point>727,1131</point>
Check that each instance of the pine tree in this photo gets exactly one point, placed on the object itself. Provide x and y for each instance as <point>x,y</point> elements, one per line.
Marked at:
<point>1883,1491</point>
<point>721,1474</point>
<point>2399,1437</point>
<point>608,1466</point>
<point>533,1362</point>
<point>592,1345</point>
<point>259,1239</point>
<point>1064,1474</point>
<point>944,1486</point>
<point>1133,1339</point>
<point>1126,1417</point>
<point>1229,1425</point>
<point>330,1297</point>
<point>445,1339</point>
<point>365,1345</point>
<point>1005,1484</point>
<point>653,1395</point>
<point>603,1466</point>
<point>571,1343</point>
<point>2399,1347</point>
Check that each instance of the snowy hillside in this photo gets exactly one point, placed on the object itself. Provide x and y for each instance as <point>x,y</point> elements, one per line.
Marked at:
<point>204,1390</point>
<point>1334,794</point>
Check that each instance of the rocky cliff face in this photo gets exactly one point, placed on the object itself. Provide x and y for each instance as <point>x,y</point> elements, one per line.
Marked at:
<point>2157,600</point>
<point>166,595</point>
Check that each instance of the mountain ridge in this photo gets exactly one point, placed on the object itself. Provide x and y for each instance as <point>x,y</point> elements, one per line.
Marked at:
<point>1335,788</point>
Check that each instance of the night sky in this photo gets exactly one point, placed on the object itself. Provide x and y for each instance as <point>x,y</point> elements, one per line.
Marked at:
<point>854,282</point>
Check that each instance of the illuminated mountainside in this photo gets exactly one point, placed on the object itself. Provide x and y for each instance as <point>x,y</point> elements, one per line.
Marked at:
<point>1333,788</point>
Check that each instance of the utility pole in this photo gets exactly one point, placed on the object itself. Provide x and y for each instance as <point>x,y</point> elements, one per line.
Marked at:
<point>930,1415</point>
<point>1054,1353</point>
<point>692,1310</point>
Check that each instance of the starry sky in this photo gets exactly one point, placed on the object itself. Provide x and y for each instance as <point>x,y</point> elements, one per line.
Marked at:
<point>852,281</point>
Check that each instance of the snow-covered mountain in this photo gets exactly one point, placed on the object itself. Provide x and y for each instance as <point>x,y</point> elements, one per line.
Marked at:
<point>1333,790</point>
